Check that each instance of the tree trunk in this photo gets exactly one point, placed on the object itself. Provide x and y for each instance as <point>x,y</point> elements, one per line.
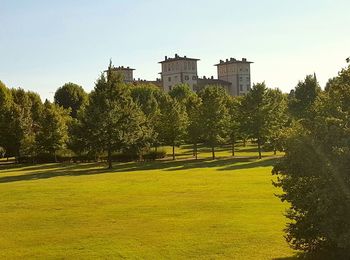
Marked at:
<point>259,148</point>
<point>109,158</point>
<point>244,142</point>
<point>173,151</point>
<point>274,151</point>
<point>195,151</point>
<point>233,148</point>
<point>156,148</point>
<point>213,152</point>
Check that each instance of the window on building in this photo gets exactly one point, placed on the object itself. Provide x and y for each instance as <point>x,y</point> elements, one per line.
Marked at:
<point>240,87</point>
<point>168,67</point>
<point>185,67</point>
<point>169,79</point>
<point>187,77</point>
<point>240,78</point>
<point>247,78</point>
<point>194,77</point>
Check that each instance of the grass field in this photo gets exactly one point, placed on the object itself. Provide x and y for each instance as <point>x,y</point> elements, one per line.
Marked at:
<point>185,209</point>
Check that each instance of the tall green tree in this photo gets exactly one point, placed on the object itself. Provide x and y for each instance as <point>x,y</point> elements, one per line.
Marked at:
<point>145,96</point>
<point>53,133</point>
<point>315,176</point>
<point>71,96</point>
<point>256,113</point>
<point>234,125</point>
<point>302,98</point>
<point>172,122</point>
<point>214,116</point>
<point>22,125</point>
<point>6,103</point>
<point>112,119</point>
<point>194,128</point>
<point>279,120</point>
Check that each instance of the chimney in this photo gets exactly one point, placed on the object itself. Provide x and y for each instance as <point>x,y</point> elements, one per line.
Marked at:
<point>244,59</point>
<point>176,56</point>
<point>212,77</point>
<point>221,61</point>
<point>166,57</point>
<point>226,60</point>
<point>185,57</point>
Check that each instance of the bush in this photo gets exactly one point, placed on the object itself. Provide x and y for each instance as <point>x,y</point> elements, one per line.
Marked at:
<point>153,155</point>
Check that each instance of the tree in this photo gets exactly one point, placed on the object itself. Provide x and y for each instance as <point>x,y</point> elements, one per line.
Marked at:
<point>315,176</point>
<point>278,120</point>
<point>214,116</point>
<point>53,133</point>
<point>172,122</point>
<point>194,128</point>
<point>234,125</point>
<point>71,96</point>
<point>145,96</point>
<point>181,93</point>
<point>6,103</point>
<point>21,125</point>
<point>257,114</point>
<point>112,119</point>
<point>303,97</point>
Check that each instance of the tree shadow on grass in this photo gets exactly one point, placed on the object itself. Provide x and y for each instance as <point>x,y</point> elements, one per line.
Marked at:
<point>52,170</point>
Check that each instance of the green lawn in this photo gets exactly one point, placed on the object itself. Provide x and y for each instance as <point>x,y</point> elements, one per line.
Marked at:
<point>185,209</point>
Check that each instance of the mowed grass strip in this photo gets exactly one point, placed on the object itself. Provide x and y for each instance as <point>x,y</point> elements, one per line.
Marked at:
<point>189,209</point>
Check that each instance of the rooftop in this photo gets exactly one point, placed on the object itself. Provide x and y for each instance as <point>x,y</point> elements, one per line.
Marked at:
<point>122,68</point>
<point>177,57</point>
<point>232,60</point>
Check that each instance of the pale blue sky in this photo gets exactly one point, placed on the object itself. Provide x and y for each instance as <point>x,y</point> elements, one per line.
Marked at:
<point>44,44</point>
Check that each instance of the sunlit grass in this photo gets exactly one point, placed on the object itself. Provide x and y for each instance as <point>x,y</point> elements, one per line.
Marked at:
<point>181,209</point>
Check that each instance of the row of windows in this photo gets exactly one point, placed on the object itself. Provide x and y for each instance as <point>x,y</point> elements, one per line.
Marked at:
<point>241,87</point>
<point>241,78</point>
<point>186,78</point>
<point>184,65</point>
<point>223,70</point>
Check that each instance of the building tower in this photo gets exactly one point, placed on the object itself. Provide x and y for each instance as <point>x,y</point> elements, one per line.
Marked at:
<point>126,72</point>
<point>178,70</point>
<point>237,72</point>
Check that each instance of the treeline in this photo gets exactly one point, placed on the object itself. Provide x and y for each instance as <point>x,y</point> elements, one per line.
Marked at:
<point>117,119</point>
<point>120,118</point>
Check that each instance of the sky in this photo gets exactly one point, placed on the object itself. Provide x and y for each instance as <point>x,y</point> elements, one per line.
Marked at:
<point>44,44</point>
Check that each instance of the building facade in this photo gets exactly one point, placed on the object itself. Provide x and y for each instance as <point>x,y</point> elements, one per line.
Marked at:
<point>178,70</point>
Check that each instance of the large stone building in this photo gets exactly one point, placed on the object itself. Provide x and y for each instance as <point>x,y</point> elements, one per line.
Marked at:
<point>127,73</point>
<point>178,70</point>
<point>236,72</point>
<point>233,75</point>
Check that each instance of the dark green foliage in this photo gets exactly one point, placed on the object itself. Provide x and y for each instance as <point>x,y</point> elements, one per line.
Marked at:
<point>315,175</point>
<point>71,96</point>
<point>214,115</point>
